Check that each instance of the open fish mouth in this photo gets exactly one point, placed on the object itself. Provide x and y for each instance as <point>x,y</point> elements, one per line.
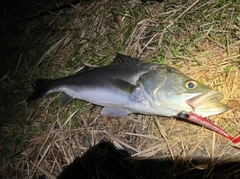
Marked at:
<point>208,104</point>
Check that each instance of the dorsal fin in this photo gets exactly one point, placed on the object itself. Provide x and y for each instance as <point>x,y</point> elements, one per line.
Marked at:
<point>120,58</point>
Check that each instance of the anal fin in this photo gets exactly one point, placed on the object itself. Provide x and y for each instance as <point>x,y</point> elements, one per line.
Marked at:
<point>114,112</point>
<point>65,99</point>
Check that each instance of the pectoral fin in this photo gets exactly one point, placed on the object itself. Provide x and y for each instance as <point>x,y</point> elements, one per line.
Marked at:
<point>114,112</point>
<point>65,99</point>
<point>123,85</point>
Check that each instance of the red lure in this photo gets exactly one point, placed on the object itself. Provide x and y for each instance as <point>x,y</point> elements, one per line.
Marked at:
<point>209,125</point>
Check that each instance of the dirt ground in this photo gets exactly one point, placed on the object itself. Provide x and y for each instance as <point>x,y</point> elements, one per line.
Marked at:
<point>51,39</point>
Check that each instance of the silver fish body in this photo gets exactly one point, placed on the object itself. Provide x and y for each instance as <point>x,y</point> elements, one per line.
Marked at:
<point>132,86</point>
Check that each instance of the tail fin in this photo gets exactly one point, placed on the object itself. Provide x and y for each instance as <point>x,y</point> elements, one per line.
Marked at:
<point>41,88</point>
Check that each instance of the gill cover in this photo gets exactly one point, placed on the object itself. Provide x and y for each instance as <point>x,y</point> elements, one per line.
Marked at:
<point>151,84</point>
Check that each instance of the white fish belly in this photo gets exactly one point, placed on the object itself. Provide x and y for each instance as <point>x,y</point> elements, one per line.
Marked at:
<point>115,99</point>
<point>100,96</point>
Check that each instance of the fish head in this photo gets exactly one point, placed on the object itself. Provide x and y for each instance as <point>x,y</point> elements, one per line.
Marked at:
<point>172,90</point>
<point>189,93</point>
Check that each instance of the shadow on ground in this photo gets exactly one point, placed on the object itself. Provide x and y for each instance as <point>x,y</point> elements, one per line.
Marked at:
<point>104,161</point>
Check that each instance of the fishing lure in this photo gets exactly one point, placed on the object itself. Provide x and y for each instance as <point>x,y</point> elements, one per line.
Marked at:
<point>207,124</point>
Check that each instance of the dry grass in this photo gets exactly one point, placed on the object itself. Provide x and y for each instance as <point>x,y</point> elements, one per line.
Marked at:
<point>201,38</point>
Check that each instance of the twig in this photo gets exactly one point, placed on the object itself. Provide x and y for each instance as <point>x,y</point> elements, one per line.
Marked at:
<point>162,132</point>
<point>51,49</point>
<point>36,163</point>
<point>69,118</point>
<point>173,22</point>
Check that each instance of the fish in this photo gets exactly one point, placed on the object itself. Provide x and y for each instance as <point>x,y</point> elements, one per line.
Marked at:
<point>130,85</point>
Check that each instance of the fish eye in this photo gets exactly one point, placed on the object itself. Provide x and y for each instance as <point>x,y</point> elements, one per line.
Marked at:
<point>191,84</point>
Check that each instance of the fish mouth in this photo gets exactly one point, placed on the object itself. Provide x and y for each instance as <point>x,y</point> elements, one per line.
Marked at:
<point>208,104</point>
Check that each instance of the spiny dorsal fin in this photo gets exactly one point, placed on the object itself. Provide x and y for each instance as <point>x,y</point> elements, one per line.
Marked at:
<point>122,85</point>
<point>120,58</point>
